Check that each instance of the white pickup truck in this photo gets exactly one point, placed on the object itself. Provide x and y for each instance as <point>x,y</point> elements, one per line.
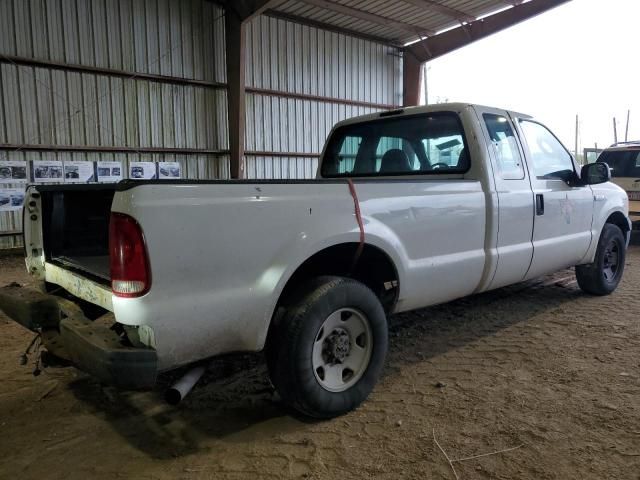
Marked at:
<point>410,208</point>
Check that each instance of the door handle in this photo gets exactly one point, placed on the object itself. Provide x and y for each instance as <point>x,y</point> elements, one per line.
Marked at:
<point>539,204</point>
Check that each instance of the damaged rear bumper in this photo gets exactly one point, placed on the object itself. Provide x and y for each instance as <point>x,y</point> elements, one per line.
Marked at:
<point>92,346</point>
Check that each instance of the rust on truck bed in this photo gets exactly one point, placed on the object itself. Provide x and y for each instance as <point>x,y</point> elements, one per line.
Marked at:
<point>81,287</point>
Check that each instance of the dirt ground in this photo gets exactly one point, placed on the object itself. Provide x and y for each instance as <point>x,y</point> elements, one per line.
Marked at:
<point>537,368</point>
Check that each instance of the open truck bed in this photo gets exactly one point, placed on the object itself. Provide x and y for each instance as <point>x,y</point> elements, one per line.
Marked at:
<point>75,227</point>
<point>67,246</point>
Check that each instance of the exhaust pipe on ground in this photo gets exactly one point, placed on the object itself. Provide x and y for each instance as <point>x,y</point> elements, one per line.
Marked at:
<point>180,389</point>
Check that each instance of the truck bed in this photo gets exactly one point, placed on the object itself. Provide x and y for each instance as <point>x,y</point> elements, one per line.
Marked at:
<point>75,227</point>
<point>95,265</point>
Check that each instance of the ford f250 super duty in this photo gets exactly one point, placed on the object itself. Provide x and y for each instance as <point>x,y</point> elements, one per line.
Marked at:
<point>410,208</point>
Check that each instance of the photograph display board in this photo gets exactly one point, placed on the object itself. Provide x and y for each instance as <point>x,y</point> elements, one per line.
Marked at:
<point>11,199</point>
<point>142,171</point>
<point>78,172</point>
<point>13,172</point>
<point>47,171</point>
<point>109,172</point>
<point>169,170</point>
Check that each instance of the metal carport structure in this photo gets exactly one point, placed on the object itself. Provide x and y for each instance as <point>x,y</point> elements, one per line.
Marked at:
<point>227,89</point>
<point>421,29</point>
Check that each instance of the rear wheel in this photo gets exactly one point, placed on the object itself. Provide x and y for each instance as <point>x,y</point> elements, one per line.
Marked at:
<point>327,351</point>
<point>603,275</point>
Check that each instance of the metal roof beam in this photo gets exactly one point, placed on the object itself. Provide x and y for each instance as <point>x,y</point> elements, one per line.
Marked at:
<point>247,9</point>
<point>393,42</point>
<point>443,9</point>
<point>370,17</point>
<point>450,40</point>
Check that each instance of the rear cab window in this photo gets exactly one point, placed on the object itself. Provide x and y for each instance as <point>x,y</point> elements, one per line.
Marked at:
<point>424,144</point>
<point>623,163</point>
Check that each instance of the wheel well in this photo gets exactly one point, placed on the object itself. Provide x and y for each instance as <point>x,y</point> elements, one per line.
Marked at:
<point>618,219</point>
<point>374,268</point>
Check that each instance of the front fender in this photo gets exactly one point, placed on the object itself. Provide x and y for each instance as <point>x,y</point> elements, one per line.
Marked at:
<point>607,200</point>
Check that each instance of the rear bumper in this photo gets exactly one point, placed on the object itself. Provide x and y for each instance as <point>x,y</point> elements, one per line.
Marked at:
<point>92,346</point>
<point>99,351</point>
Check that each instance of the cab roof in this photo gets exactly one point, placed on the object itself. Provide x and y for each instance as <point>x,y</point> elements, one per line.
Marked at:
<point>438,107</point>
<point>632,145</point>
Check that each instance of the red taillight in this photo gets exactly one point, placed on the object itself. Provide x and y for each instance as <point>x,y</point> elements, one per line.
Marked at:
<point>130,273</point>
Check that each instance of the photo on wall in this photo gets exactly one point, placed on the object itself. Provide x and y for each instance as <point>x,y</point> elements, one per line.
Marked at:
<point>11,199</point>
<point>13,172</point>
<point>47,171</point>
<point>142,171</point>
<point>78,172</point>
<point>109,172</point>
<point>169,170</point>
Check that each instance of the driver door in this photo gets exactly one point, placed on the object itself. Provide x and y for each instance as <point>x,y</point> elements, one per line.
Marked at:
<point>562,213</point>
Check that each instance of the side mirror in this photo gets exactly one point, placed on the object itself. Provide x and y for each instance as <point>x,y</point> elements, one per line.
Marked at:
<point>595,173</point>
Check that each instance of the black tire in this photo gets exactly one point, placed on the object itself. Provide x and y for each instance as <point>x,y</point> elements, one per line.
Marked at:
<point>603,276</point>
<point>291,342</point>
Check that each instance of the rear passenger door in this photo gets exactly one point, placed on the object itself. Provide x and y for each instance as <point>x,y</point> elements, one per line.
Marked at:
<point>563,213</point>
<point>515,198</point>
<point>418,189</point>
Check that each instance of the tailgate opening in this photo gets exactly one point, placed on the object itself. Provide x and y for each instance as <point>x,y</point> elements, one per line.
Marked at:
<point>75,228</point>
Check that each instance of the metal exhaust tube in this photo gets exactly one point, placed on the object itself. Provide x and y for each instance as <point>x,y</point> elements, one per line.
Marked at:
<point>180,389</point>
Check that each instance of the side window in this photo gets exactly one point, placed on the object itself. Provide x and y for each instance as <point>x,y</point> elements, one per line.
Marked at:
<point>548,155</point>
<point>505,147</point>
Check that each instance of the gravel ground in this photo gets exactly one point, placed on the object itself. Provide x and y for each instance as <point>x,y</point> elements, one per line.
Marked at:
<point>539,372</point>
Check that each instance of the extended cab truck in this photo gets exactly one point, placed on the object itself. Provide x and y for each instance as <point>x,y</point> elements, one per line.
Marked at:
<point>410,208</point>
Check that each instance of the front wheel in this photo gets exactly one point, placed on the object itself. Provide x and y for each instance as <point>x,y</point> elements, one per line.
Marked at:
<point>603,275</point>
<point>327,351</point>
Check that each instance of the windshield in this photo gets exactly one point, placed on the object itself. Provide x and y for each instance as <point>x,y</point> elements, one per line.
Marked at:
<point>623,163</point>
<point>409,145</point>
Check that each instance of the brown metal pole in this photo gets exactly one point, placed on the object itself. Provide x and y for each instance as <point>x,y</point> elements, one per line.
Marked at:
<point>235,53</point>
<point>411,67</point>
<point>237,14</point>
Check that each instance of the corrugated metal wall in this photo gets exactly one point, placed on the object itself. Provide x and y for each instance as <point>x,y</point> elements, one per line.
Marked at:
<point>183,39</point>
<point>172,38</point>
<point>298,59</point>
